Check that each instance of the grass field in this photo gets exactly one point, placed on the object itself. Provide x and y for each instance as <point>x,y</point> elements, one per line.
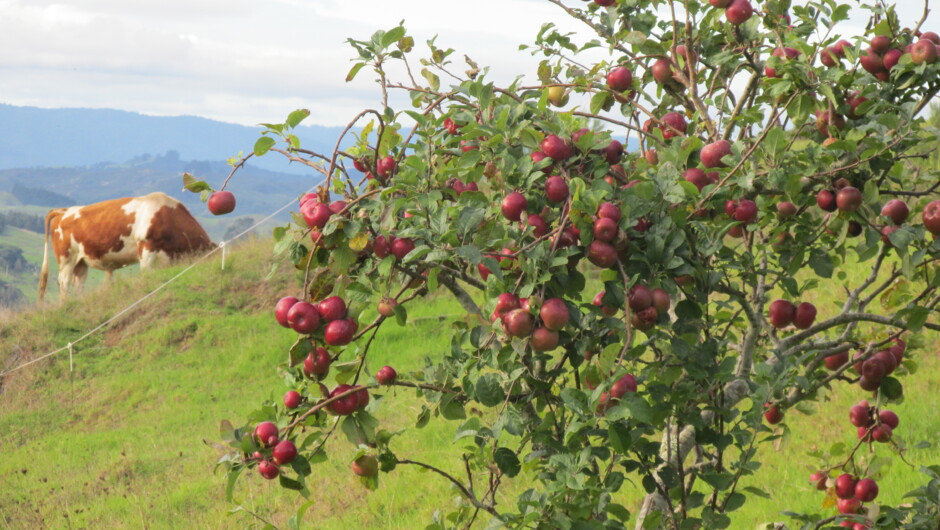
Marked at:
<point>120,442</point>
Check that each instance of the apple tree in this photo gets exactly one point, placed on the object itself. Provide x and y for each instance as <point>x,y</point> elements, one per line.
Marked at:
<point>636,312</point>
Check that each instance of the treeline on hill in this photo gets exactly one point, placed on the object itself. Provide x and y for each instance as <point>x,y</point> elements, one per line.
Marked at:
<point>40,197</point>
<point>33,223</point>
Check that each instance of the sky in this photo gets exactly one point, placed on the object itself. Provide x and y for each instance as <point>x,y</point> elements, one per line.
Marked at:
<point>245,61</point>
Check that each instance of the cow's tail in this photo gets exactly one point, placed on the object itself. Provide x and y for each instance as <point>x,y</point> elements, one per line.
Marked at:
<point>44,273</point>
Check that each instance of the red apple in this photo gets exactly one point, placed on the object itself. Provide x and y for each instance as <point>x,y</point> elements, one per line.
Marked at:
<point>303,317</point>
<point>697,177</point>
<point>620,79</point>
<point>602,254</point>
<point>266,434</point>
<point>333,308</point>
<point>605,229</point>
<point>819,480</point>
<point>660,300</point>
<point>674,124</point>
<point>640,297</point>
<point>316,214</point>
<point>385,166</point>
<point>848,506</point>
<point>402,246</point>
<point>268,469</point>
<point>556,148</point>
<point>872,62</point>
<point>782,313</point>
<point>713,153</point>
<point>773,414</point>
<point>786,53</point>
<point>544,339</point>
<point>931,217</point>
<point>889,418</point>
<point>556,189</point>
<point>281,309</point>
<point>662,71</point>
<point>845,486</point>
<point>518,323</point>
<point>317,363</point>
<point>739,11</point>
<point>626,384</point>
<point>386,375</point>
<point>613,152</point>
<point>896,210</point>
<point>292,399</point>
<point>746,211</point>
<point>836,361</point>
<point>805,315</point>
<point>866,490</point>
<point>221,202</point>
<point>284,452</point>
<point>882,433</point>
<point>554,313</point>
<point>609,211</point>
<point>924,51</point>
<point>540,227</point>
<point>826,200</point>
<point>848,199</point>
<point>339,332</point>
<point>860,415</point>
<point>382,246</point>
<point>513,206</point>
<point>786,209</point>
<point>892,57</point>
<point>346,405</point>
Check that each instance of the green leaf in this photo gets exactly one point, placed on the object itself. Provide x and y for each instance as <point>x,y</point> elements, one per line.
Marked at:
<point>917,317</point>
<point>433,80</point>
<point>231,476</point>
<point>488,390</point>
<point>507,461</point>
<point>619,436</point>
<point>393,36</point>
<point>191,183</point>
<point>296,117</point>
<point>735,501</point>
<point>263,145</point>
<point>452,409</point>
<point>821,263</point>
<point>353,431</point>
<point>353,71</point>
<point>575,401</point>
<point>291,484</point>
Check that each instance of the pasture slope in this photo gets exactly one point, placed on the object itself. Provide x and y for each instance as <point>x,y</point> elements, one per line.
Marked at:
<point>119,443</point>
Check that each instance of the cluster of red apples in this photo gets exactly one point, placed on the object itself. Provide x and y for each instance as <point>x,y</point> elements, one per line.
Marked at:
<point>517,320</point>
<point>851,491</point>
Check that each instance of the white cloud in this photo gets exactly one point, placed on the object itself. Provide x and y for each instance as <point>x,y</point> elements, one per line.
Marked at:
<point>245,61</point>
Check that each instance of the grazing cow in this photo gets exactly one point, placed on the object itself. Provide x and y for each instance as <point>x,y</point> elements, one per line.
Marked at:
<point>153,230</point>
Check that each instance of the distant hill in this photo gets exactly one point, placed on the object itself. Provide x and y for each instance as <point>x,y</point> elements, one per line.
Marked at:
<point>35,137</point>
<point>258,191</point>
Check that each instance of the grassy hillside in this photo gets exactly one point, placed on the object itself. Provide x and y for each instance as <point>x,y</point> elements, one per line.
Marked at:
<point>120,442</point>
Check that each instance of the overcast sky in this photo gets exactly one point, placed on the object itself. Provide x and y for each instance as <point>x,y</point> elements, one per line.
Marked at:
<point>247,61</point>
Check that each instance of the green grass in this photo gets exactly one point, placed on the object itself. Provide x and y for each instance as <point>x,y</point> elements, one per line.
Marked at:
<point>120,443</point>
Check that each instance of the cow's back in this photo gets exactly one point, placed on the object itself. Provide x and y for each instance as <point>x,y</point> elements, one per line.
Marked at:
<point>165,225</point>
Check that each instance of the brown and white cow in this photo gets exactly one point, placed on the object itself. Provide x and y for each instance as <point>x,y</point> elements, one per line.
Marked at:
<point>153,230</point>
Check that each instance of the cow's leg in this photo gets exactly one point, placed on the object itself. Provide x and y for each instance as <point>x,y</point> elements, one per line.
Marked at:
<point>78,276</point>
<point>110,276</point>
<point>153,258</point>
<point>65,278</point>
